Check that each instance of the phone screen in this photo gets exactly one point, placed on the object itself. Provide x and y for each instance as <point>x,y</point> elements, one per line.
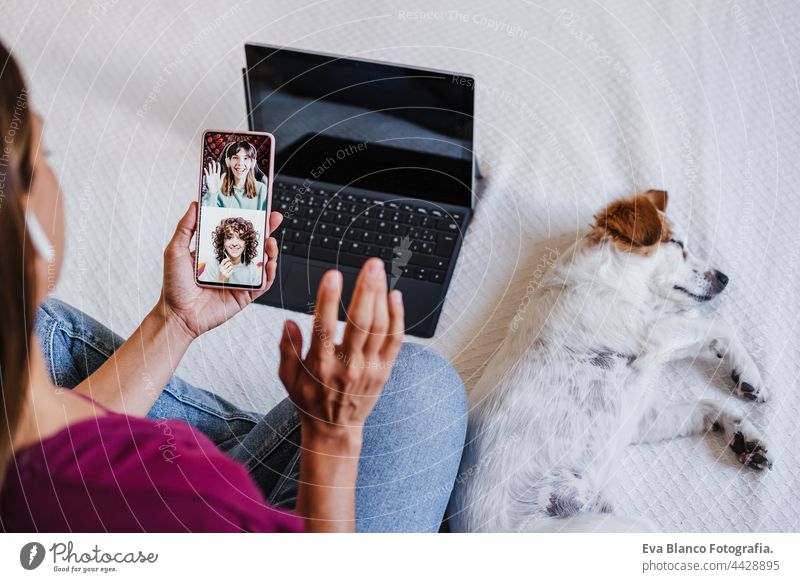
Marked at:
<point>235,201</point>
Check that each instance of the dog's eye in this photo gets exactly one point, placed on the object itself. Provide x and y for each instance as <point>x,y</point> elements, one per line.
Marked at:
<point>680,244</point>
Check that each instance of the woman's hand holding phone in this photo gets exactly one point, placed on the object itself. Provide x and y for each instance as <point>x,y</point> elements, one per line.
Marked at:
<point>336,386</point>
<point>199,309</point>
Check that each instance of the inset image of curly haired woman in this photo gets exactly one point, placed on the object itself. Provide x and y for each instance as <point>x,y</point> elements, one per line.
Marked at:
<point>236,254</point>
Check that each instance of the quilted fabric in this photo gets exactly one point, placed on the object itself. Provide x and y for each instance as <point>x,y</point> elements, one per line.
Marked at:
<point>577,103</point>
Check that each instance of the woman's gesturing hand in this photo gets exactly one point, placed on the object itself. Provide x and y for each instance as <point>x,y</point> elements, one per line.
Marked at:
<point>199,309</point>
<point>336,385</point>
<point>213,175</point>
<point>335,388</point>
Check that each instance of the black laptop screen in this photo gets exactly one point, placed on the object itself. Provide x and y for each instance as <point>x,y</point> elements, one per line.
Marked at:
<point>380,127</point>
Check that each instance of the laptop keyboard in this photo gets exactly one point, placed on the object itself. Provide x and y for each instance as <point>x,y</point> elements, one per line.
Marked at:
<point>345,229</point>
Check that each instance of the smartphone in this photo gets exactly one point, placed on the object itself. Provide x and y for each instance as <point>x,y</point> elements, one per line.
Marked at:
<point>234,203</point>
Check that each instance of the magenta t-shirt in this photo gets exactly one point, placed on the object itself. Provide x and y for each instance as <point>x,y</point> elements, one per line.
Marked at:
<point>121,473</point>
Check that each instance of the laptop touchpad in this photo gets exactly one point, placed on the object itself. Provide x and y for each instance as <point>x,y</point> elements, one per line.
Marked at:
<point>303,281</point>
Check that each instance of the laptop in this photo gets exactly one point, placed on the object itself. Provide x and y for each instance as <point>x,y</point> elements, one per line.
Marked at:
<point>372,160</point>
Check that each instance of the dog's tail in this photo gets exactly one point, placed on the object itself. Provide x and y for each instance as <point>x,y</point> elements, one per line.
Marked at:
<point>590,523</point>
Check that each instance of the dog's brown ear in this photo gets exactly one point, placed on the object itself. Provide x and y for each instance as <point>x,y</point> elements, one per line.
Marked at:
<point>634,221</point>
<point>658,197</point>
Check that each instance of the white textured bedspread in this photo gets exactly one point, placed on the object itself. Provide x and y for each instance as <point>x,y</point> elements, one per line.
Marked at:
<point>577,103</point>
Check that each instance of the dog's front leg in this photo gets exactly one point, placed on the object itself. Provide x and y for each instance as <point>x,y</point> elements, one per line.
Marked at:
<point>690,417</point>
<point>677,337</point>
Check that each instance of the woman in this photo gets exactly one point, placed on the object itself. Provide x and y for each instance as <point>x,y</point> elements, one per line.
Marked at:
<point>235,243</point>
<point>87,459</point>
<point>237,186</point>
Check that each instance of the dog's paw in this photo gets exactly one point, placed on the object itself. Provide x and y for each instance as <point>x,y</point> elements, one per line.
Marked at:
<point>749,384</point>
<point>750,450</point>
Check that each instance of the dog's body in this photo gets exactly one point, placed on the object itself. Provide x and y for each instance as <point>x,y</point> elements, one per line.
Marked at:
<point>576,380</point>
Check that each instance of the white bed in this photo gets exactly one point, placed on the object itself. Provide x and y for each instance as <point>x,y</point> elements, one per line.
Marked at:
<point>577,103</point>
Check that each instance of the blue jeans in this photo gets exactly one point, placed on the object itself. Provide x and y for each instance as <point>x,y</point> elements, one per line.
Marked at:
<point>412,439</point>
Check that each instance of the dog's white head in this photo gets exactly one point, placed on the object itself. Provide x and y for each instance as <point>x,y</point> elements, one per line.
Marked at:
<point>643,256</point>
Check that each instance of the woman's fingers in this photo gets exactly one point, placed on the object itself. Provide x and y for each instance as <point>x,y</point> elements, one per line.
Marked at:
<point>291,347</point>
<point>360,313</point>
<point>326,314</point>
<point>226,268</point>
<point>394,335</point>
<point>271,266</point>
<point>271,270</point>
<point>272,249</point>
<point>380,319</point>
<point>275,220</point>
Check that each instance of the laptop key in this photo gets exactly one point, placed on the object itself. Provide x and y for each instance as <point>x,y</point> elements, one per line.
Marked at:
<point>429,261</point>
<point>436,276</point>
<point>300,237</point>
<point>446,245</point>
<point>446,225</point>
<point>421,273</point>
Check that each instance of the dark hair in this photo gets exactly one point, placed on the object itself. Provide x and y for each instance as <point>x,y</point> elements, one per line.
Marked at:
<point>17,301</point>
<point>241,228</point>
<point>227,180</point>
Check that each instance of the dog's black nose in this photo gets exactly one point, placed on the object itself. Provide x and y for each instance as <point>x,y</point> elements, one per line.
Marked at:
<point>721,277</point>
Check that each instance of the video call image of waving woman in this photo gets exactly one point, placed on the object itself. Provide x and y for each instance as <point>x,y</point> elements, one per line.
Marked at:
<point>234,197</point>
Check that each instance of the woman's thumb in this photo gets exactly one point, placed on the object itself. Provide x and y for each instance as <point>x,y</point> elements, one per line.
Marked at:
<point>184,231</point>
<point>291,347</point>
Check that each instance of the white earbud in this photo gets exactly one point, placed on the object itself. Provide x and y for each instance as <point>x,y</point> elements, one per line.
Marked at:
<point>39,239</point>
